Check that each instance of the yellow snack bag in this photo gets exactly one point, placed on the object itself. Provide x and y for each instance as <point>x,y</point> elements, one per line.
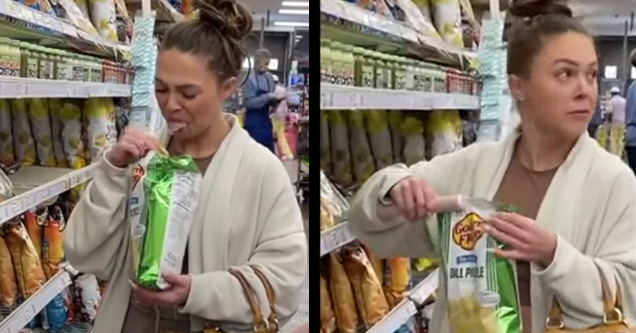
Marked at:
<point>6,137</point>
<point>342,295</point>
<point>99,118</point>
<point>41,124</point>
<point>397,279</point>
<point>22,136</point>
<point>8,286</point>
<point>55,106</point>
<point>71,116</point>
<point>327,316</point>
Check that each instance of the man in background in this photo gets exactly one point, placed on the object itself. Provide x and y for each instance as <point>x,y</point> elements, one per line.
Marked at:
<point>630,119</point>
<point>618,106</point>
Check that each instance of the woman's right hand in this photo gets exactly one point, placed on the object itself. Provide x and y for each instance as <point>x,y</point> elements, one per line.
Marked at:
<point>131,147</point>
<point>413,197</point>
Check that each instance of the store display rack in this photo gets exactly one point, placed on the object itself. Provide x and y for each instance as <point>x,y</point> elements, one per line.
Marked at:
<point>334,97</point>
<point>37,88</point>
<point>35,185</point>
<point>335,238</point>
<point>24,313</point>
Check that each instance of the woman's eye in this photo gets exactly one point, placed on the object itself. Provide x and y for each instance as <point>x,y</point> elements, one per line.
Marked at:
<point>564,74</point>
<point>593,75</point>
<point>189,96</point>
<point>161,91</point>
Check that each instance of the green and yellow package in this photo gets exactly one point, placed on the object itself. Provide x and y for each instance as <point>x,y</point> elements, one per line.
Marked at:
<point>163,202</point>
<point>481,289</point>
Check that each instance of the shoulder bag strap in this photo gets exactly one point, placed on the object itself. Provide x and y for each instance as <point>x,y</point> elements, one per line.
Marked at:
<point>271,297</point>
<point>259,322</point>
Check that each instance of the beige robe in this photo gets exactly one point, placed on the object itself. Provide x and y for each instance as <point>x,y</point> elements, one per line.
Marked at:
<point>247,214</point>
<point>590,204</point>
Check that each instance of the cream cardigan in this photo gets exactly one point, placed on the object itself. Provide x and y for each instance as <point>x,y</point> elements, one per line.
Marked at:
<point>247,214</point>
<point>590,205</point>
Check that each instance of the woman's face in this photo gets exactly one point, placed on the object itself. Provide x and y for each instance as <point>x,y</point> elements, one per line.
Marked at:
<point>189,94</point>
<point>559,95</point>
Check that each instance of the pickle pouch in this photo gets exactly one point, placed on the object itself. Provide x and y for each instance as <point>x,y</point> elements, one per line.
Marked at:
<point>165,198</point>
<point>481,289</point>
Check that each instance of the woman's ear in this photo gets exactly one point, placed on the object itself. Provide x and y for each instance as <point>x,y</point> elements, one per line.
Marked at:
<point>516,85</point>
<point>228,87</point>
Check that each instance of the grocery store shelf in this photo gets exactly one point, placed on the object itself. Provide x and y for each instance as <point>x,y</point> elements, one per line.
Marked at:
<point>335,238</point>
<point>408,307</point>
<point>35,185</point>
<point>21,316</point>
<point>11,87</point>
<point>22,22</point>
<point>334,97</point>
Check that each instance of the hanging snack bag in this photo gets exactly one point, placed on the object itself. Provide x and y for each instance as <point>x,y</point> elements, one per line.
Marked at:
<point>55,106</point>
<point>377,123</point>
<point>418,15</point>
<point>340,150</point>
<point>26,260</point>
<point>100,122</point>
<point>82,5</point>
<point>362,160</point>
<point>395,121</point>
<point>326,163</point>
<point>447,17</point>
<point>326,215</point>
<point>342,295</point>
<point>444,132</point>
<point>333,201</point>
<point>376,263</point>
<point>7,153</point>
<point>327,316</point>
<point>22,136</point>
<point>164,199</point>
<point>88,292</point>
<point>481,289</point>
<point>41,126</point>
<point>33,222</point>
<point>71,116</point>
<point>397,278</point>
<point>412,129</point>
<point>372,306</point>
<point>103,16</point>
<point>56,314</point>
<point>53,252</point>
<point>8,286</point>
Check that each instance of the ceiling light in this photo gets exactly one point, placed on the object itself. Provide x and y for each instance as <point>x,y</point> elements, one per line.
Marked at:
<point>294,11</point>
<point>295,4</point>
<point>291,24</point>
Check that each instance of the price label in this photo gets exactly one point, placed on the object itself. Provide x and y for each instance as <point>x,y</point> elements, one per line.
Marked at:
<point>353,101</point>
<point>19,90</point>
<point>71,91</point>
<point>41,195</point>
<point>28,201</point>
<point>29,312</point>
<point>16,206</point>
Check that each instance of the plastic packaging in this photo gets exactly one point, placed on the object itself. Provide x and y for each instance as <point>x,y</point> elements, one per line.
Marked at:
<point>395,121</point>
<point>55,107</point>
<point>101,129</point>
<point>103,16</point>
<point>7,152</point>
<point>88,292</point>
<point>33,222</point>
<point>41,125</point>
<point>8,286</point>
<point>327,315</point>
<point>362,159</point>
<point>447,19</point>
<point>333,201</point>
<point>340,150</point>
<point>56,313</point>
<point>377,124</point>
<point>52,249</point>
<point>326,164</point>
<point>26,260</point>
<point>444,132</point>
<point>71,114</point>
<point>22,136</point>
<point>342,295</point>
<point>412,129</point>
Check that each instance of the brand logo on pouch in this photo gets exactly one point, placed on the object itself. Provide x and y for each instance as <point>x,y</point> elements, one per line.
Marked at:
<point>138,173</point>
<point>468,231</point>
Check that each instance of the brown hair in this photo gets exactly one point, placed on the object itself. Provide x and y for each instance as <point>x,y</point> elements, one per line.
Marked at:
<point>215,33</point>
<point>530,23</point>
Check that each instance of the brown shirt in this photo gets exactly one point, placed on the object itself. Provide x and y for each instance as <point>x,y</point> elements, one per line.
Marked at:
<point>525,189</point>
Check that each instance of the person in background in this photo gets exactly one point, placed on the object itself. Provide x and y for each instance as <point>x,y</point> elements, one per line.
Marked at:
<point>630,120</point>
<point>259,97</point>
<point>618,106</point>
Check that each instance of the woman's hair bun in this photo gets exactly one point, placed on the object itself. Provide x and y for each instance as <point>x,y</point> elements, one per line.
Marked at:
<point>534,8</point>
<point>226,16</point>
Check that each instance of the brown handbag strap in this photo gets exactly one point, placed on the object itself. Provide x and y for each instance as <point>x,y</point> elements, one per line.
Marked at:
<point>257,316</point>
<point>271,296</point>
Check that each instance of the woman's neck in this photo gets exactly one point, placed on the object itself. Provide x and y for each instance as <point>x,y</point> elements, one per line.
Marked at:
<point>540,152</point>
<point>207,143</point>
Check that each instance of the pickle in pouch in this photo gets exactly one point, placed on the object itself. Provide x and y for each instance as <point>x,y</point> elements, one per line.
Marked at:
<point>168,201</point>
<point>481,289</point>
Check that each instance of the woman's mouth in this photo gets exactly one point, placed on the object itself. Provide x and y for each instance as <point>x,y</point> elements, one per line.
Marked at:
<point>176,126</point>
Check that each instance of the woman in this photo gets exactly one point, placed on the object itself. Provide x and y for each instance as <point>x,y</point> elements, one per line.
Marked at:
<point>577,202</point>
<point>247,213</point>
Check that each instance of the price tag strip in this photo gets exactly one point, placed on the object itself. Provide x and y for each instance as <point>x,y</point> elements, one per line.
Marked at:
<point>11,87</point>
<point>21,316</point>
<point>335,238</point>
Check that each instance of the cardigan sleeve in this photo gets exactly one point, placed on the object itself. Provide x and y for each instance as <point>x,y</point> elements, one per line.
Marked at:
<point>281,253</point>
<point>573,277</point>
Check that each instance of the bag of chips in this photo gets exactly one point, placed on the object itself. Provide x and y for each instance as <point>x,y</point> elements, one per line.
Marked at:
<point>52,250</point>
<point>325,148</point>
<point>71,115</point>
<point>8,286</point>
<point>41,126</point>
<point>55,106</point>
<point>395,121</point>
<point>361,158</point>
<point>168,192</point>
<point>481,289</point>
<point>340,150</point>
<point>397,279</point>
<point>447,17</point>
<point>33,222</point>
<point>88,291</point>
<point>444,132</point>
<point>327,316</point>
<point>26,260</point>
<point>412,129</point>
<point>377,123</point>
<point>343,301</point>
<point>333,201</point>
<point>418,15</point>
<point>7,153</point>
<point>103,16</point>
<point>22,136</point>
<point>99,116</point>
<point>376,263</point>
<point>326,215</point>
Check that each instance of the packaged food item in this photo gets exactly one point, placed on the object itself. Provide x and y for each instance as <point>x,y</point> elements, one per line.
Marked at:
<point>8,286</point>
<point>103,16</point>
<point>326,163</point>
<point>362,159</point>
<point>26,260</point>
<point>170,193</point>
<point>327,316</point>
<point>100,122</point>
<point>412,130</point>
<point>395,121</point>
<point>372,306</point>
<point>481,289</point>
<point>7,153</point>
<point>56,313</point>
<point>376,263</point>
<point>417,14</point>
<point>41,126</point>
<point>340,151</point>
<point>55,107</point>
<point>326,216</point>
<point>88,292</point>
<point>444,131</point>
<point>333,200</point>
<point>53,252</point>
<point>22,136</point>
<point>342,296</point>
<point>377,124</point>
<point>6,187</point>
<point>71,116</point>
<point>397,278</point>
<point>33,222</point>
<point>75,15</point>
<point>82,5</point>
<point>69,303</point>
<point>447,18</point>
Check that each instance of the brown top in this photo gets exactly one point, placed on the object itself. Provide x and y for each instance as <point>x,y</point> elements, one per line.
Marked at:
<point>525,189</point>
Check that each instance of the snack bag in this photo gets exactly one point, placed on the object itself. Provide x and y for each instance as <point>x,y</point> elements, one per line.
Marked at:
<point>333,201</point>
<point>82,5</point>
<point>412,129</point>
<point>362,160</point>
<point>326,215</point>
<point>397,278</point>
<point>99,116</point>
<point>166,195</point>
<point>88,291</point>
<point>325,148</point>
<point>342,295</point>
<point>418,15</point>
<point>6,137</point>
<point>395,121</point>
<point>377,123</point>
<point>104,17</point>
<point>327,316</point>
<point>376,263</point>
<point>447,17</point>
<point>372,306</point>
<point>56,313</point>
<point>444,132</point>
<point>340,151</point>
<point>71,116</point>
<point>22,136</point>
<point>41,125</point>
<point>8,286</point>
<point>69,303</point>
<point>480,288</point>
<point>26,260</point>
<point>53,252</point>
<point>33,222</point>
<point>55,106</point>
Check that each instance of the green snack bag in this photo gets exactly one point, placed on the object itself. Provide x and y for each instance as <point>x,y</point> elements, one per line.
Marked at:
<point>481,289</point>
<point>163,202</point>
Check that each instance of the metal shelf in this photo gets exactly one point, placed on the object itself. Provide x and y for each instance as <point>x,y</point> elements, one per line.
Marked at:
<point>11,87</point>
<point>335,238</point>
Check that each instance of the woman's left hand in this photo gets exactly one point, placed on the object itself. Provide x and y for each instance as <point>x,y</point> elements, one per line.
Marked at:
<point>176,295</point>
<point>525,240</point>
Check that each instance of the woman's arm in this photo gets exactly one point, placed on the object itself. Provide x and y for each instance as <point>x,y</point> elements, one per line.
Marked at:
<point>281,252</point>
<point>94,240</point>
<point>573,277</point>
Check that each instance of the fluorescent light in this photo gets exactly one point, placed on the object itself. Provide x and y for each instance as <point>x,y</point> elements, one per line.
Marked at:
<point>295,4</point>
<point>294,11</point>
<point>291,24</point>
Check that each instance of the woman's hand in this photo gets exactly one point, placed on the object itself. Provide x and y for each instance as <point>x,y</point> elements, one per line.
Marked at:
<point>176,295</point>
<point>525,240</point>
<point>413,197</point>
<point>131,147</point>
